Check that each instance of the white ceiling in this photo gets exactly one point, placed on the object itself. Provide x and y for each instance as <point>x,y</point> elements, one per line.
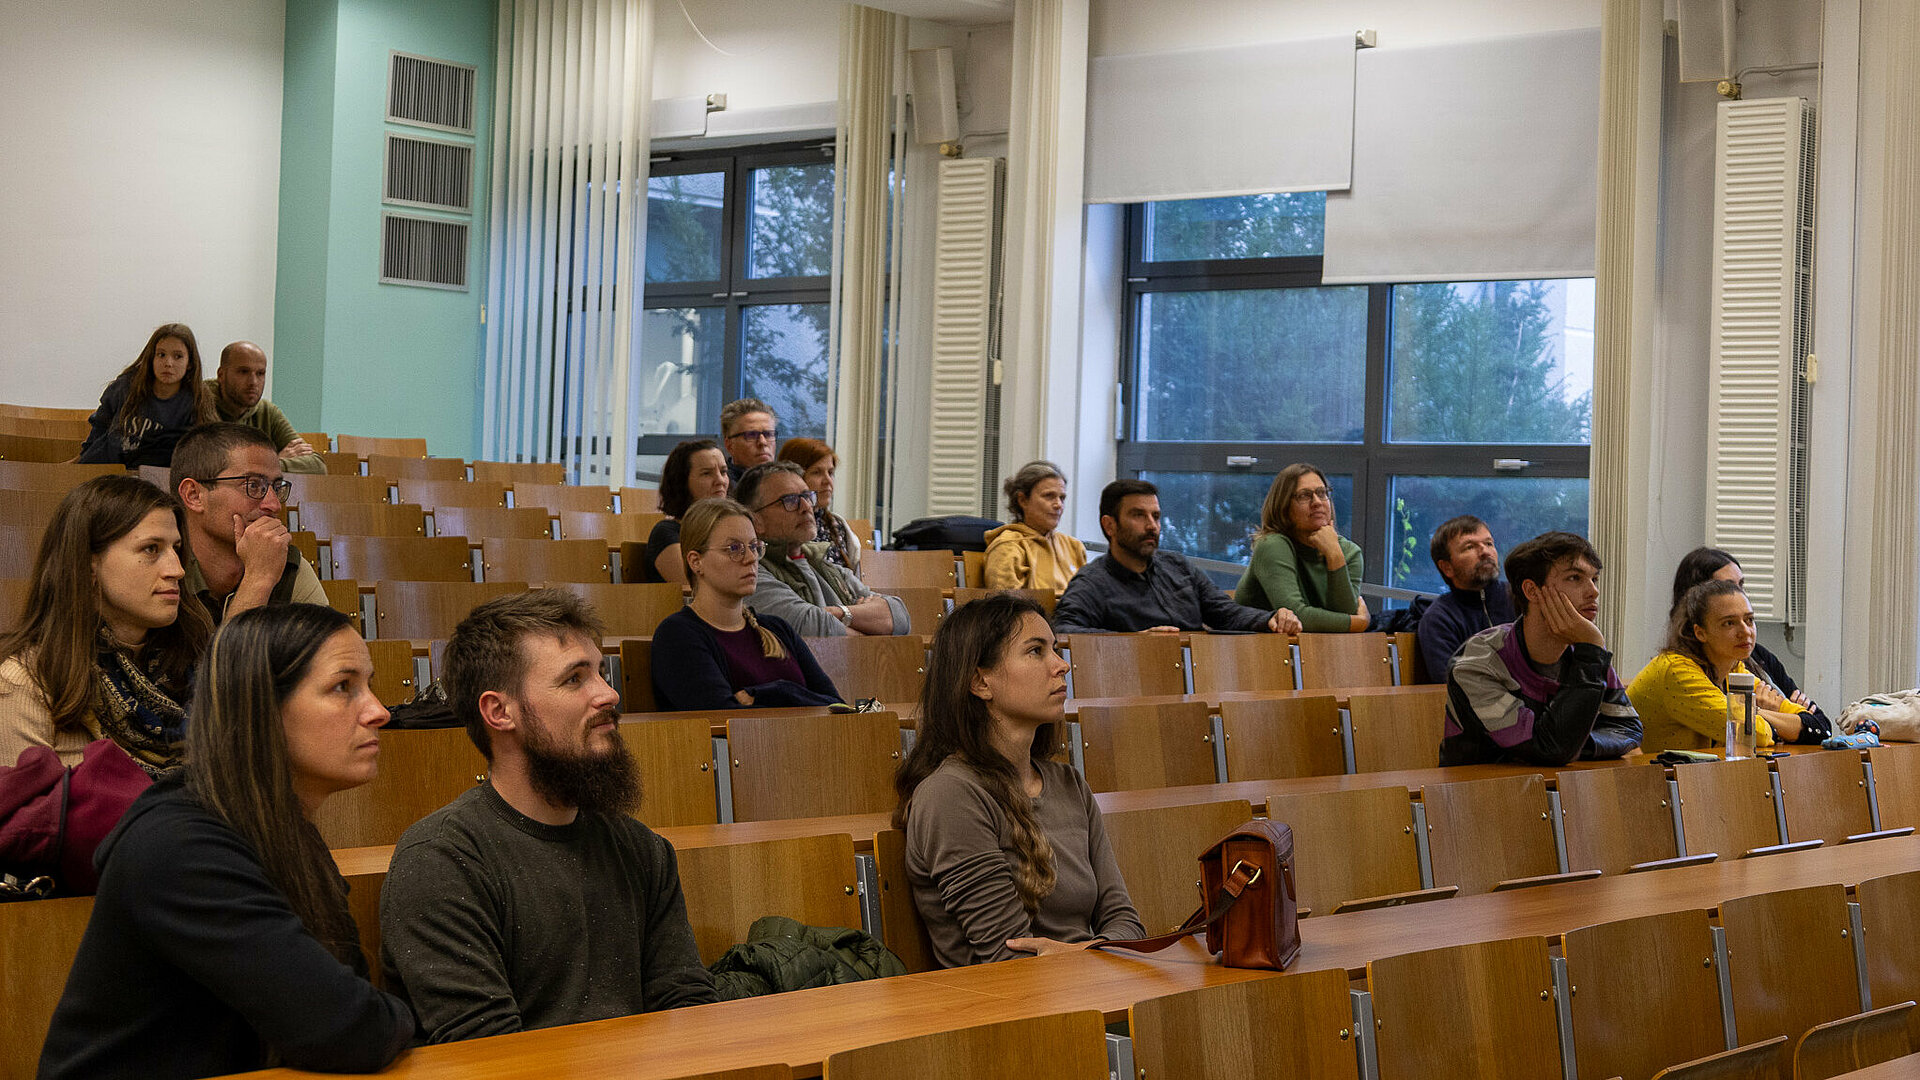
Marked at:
<point>957,12</point>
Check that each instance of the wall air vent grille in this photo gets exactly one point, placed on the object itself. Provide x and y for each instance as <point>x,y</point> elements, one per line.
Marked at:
<point>427,252</point>
<point>430,173</point>
<point>430,93</point>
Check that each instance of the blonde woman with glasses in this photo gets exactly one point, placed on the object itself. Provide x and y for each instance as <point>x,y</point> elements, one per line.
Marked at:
<point>716,653</point>
<point>1300,561</point>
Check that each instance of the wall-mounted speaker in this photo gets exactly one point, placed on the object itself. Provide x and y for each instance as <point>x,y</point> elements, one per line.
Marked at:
<point>936,104</point>
<point>1706,40</point>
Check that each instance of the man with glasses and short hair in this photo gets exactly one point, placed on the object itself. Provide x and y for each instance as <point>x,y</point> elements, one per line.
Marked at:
<point>797,583</point>
<point>240,555</point>
<point>748,427</point>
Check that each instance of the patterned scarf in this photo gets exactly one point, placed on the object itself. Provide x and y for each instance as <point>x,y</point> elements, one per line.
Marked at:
<point>135,712</point>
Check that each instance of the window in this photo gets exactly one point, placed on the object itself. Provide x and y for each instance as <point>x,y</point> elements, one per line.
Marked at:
<point>1419,400</point>
<point>739,248</point>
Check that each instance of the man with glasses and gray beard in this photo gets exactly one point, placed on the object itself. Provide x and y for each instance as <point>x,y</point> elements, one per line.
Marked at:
<point>534,899</point>
<point>797,582</point>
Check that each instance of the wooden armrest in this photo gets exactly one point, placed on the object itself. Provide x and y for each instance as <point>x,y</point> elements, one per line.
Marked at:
<point>1386,900</point>
<point>1544,879</point>
<point>1683,860</point>
<point>1905,830</point>
<point>1775,849</point>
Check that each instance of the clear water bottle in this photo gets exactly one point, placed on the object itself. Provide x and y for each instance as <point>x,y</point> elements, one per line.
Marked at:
<point>1741,711</point>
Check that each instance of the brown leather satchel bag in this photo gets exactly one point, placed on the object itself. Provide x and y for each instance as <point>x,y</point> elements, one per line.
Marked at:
<point>1247,901</point>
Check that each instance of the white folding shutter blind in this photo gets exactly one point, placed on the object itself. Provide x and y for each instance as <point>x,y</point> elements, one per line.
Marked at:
<point>964,254</point>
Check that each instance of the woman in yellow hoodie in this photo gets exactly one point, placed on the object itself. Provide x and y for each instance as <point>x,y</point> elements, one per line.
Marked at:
<point>1030,552</point>
<point>1681,695</point>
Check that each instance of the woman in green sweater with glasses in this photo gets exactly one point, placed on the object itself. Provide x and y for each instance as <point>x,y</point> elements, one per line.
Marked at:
<point>1300,562</point>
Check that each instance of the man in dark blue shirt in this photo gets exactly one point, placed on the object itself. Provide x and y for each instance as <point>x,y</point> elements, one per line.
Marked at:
<point>1476,598</point>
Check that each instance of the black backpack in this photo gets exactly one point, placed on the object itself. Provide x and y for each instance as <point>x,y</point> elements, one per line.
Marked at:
<point>956,534</point>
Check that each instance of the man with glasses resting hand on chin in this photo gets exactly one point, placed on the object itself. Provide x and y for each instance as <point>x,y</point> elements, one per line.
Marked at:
<point>229,479</point>
<point>797,583</point>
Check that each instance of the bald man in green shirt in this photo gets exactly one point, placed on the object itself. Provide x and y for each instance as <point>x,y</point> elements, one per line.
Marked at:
<point>237,387</point>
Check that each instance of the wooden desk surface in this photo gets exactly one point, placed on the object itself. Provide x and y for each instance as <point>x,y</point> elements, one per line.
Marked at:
<point>1341,696</point>
<point>1900,1068</point>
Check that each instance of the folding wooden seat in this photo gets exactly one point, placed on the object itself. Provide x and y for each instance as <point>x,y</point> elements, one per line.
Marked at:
<point>45,412</point>
<point>887,669</point>
<point>1648,987</point>
<point>438,493</point>
<point>368,445</point>
<point>563,497</point>
<point>402,558</point>
<point>393,680</point>
<point>675,758</point>
<point>901,927</point>
<point>1125,747</point>
<point>309,487</point>
<point>1126,665</point>
<point>420,771</point>
<point>1067,1046</point>
<point>417,468</point>
<point>521,472</point>
<point>339,464</point>
<point>1768,1059</point>
<point>1240,662</point>
<point>1344,660</point>
<point>1407,646</point>
<point>1046,598</point>
<point>1495,834</point>
<point>1354,849</point>
<point>636,676</point>
<point>863,528</point>
<point>1279,738</point>
<point>50,476</point>
<point>1727,807</point>
<point>1620,820</point>
<point>13,598</point>
<point>632,555</point>
<point>1826,798</point>
<point>606,525</point>
<point>343,595</point>
<point>926,608</point>
<point>885,571</point>
<point>29,509</point>
<point>1845,1046</point>
<point>1398,730</point>
<point>65,429</point>
<point>635,500</point>
<point>1294,1028</point>
<point>1158,852</point>
<point>308,545</point>
<point>812,766</point>
<point>480,522</point>
<point>39,939</point>
<point>546,560</point>
<point>1790,959</point>
<point>431,609</point>
<point>41,448</point>
<point>1896,783</point>
<point>633,610</point>
<point>1892,936</point>
<point>19,546</point>
<point>727,887</point>
<point>362,519</point>
<point>973,568</point>
<point>1484,1010</point>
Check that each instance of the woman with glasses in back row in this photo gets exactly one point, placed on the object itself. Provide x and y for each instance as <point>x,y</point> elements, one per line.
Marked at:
<point>1300,561</point>
<point>715,653</point>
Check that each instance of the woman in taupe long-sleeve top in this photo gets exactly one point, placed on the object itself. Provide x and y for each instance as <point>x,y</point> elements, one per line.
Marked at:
<point>1006,853</point>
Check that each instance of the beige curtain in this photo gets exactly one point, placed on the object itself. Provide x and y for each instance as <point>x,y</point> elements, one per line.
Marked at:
<point>872,54</point>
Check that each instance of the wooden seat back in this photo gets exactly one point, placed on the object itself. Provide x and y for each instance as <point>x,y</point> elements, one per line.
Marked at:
<point>901,927</point>
<point>339,464</point>
<point>50,476</point>
<point>1484,1010</point>
<point>727,887</point>
<point>886,571</point>
<point>322,442</point>
<point>889,669</point>
<point>343,595</point>
<point>563,497</point>
<point>13,601</point>
<point>633,610</point>
<point>510,522</point>
<point>1482,834</point>
<point>39,938</point>
<point>636,676</point>
<point>42,448</point>
<point>1645,986</point>
<point>1350,845</point>
<point>29,509</point>
<point>19,546</point>
<point>1768,1059</point>
<point>1158,852</point>
<point>639,500</point>
<point>393,679</point>
<point>545,560</point>
<point>973,568</point>
<point>1066,1046</point>
<point>1046,598</point>
<point>1896,784</point>
<point>1296,1028</point>
<point>846,760</point>
<point>1126,665</point>
<point>402,558</point>
<point>417,468</point>
<point>520,472</point>
<point>1400,730</point>
<point>326,487</point>
<point>1726,807</point>
<point>1790,959</point>
<point>1345,660</point>
<point>438,493</point>
<point>1845,1046</point>
<point>1892,936</point>
<point>73,429</point>
<point>608,526</point>
<point>1616,818</point>
<point>45,412</point>
<point>926,609</point>
<point>1280,738</point>
<point>431,609</point>
<point>325,519</point>
<point>1240,662</point>
<point>863,528</point>
<point>675,760</point>
<point>420,772</point>
<point>368,445</point>
<point>1825,796</point>
<point>1127,747</point>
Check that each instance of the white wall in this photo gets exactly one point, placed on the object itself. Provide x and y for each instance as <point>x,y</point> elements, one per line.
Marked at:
<point>141,180</point>
<point>1120,27</point>
<point>761,55</point>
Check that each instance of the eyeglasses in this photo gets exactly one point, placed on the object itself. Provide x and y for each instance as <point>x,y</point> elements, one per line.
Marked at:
<point>256,487</point>
<point>756,436</point>
<point>793,503</point>
<point>1313,495</point>
<point>742,553</point>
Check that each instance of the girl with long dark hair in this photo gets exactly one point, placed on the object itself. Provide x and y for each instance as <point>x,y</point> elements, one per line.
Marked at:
<point>149,405</point>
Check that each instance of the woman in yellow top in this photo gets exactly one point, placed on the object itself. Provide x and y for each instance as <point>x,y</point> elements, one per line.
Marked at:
<point>1030,552</point>
<point>1680,694</point>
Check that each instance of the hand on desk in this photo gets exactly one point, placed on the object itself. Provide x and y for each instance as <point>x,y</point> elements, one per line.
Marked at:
<point>1041,946</point>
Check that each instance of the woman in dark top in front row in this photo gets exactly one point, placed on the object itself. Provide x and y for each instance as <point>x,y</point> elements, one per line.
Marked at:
<point>716,652</point>
<point>695,470</point>
<point>220,940</point>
